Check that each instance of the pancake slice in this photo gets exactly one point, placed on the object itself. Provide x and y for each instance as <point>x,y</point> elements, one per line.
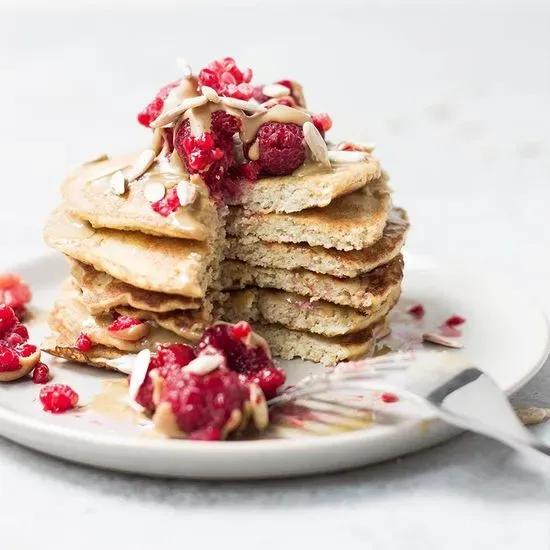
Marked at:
<point>174,266</point>
<point>311,185</point>
<point>351,222</point>
<point>363,293</point>
<point>328,261</point>
<point>288,344</point>
<point>294,312</point>
<point>87,194</point>
<point>102,292</point>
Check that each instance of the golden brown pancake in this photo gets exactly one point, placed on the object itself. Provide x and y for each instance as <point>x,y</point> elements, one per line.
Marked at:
<point>102,292</point>
<point>363,293</point>
<point>174,266</point>
<point>329,261</point>
<point>87,194</point>
<point>311,185</point>
<point>351,222</point>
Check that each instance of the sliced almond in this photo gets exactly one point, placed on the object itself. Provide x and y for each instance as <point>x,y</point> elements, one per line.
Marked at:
<point>248,106</point>
<point>532,415</point>
<point>436,338</point>
<point>347,157</point>
<point>275,90</point>
<point>184,67</point>
<point>133,333</point>
<point>316,143</point>
<point>139,372</point>
<point>164,119</point>
<point>98,158</point>
<point>142,164</point>
<point>118,183</point>
<point>158,141</point>
<point>210,94</point>
<point>204,364</point>
<point>154,191</point>
<point>260,414</point>
<point>187,193</point>
<point>233,423</point>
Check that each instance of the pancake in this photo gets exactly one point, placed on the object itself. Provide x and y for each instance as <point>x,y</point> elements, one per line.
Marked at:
<point>175,266</point>
<point>87,194</point>
<point>351,222</point>
<point>298,313</point>
<point>311,185</point>
<point>288,344</point>
<point>363,293</point>
<point>102,292</point>
<point>70,318</point>
<point>328,261</point>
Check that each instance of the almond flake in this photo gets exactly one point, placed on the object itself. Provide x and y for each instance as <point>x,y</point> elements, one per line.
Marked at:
<point>142,164</point>
<point>349,146</point>
<point>187,193</point>
<point>204,364</point>
<point>154,191</point>
<point>260,414</point>
<point>158,141</point>
<point>532,415</point>
<point>164,119</point>
<point>243,105</point>
<point>275,90</point>
<point>347,157</point>
<point>435,338</point>
<point>118,183</point>
<point>210,94</point>
<point>139,372</point>
<point>98,158</point>
<point>184,67</point>
<point>316,143</point>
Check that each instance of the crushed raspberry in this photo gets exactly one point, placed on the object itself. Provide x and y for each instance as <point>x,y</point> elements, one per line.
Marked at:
<point>123,322</point>
<point>58,398</point>
<point>41,374</point>
<point>454,321</point>
<point>322,122</point>
<point>83,342</point>
<point>9,359</point>
<point>211,153</point>
<point>169,204</point>
<point>153,110</point>
<point>417,311</point>
<point>202,405</point>
<point>15,293</point>
<point>15,352</point>
<point>241,330</point>
<point>252,363</point>
<point>258,94</point>
<point>282,148</point>
<point>388,397</point>
<point>227,79</point>
<point>167,359</point>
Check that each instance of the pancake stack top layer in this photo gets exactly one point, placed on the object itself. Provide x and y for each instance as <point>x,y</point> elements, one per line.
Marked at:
<point>239,210</point>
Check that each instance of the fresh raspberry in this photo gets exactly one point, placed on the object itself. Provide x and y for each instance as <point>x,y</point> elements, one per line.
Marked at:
<point>227,79</point>
<point>388,397</point>
<point>250,170</point>
<point>251,363</point>
<point>417,311</point>
<point>322,122</point>
<point>41,374</point>
<point>83,342</point>
<point>454,321</point>
<point>123,322</point>
<point>202,405</point>
<point>152,111</point>
<point>169,204</point>
<point>58,398</point>
<point>167,359</point>
<point>8,320</point>
<point>241,330</point>
<point>258,94</point>
<point>15,293</point>
<point>282,148</point>
<point>211,153</point>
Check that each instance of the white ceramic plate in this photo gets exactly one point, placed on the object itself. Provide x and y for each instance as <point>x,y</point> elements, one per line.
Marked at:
<point>510,344</point>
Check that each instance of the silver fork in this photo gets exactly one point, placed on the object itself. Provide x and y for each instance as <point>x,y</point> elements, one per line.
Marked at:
<point>442,384</point>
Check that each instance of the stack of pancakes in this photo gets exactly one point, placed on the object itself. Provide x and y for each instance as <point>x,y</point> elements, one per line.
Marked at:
<point>311,259</point>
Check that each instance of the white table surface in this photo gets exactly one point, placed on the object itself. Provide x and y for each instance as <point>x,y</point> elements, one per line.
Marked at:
<point>457,99</point>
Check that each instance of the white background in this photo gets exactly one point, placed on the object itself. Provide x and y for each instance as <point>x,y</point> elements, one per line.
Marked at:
<point>457,98</point>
